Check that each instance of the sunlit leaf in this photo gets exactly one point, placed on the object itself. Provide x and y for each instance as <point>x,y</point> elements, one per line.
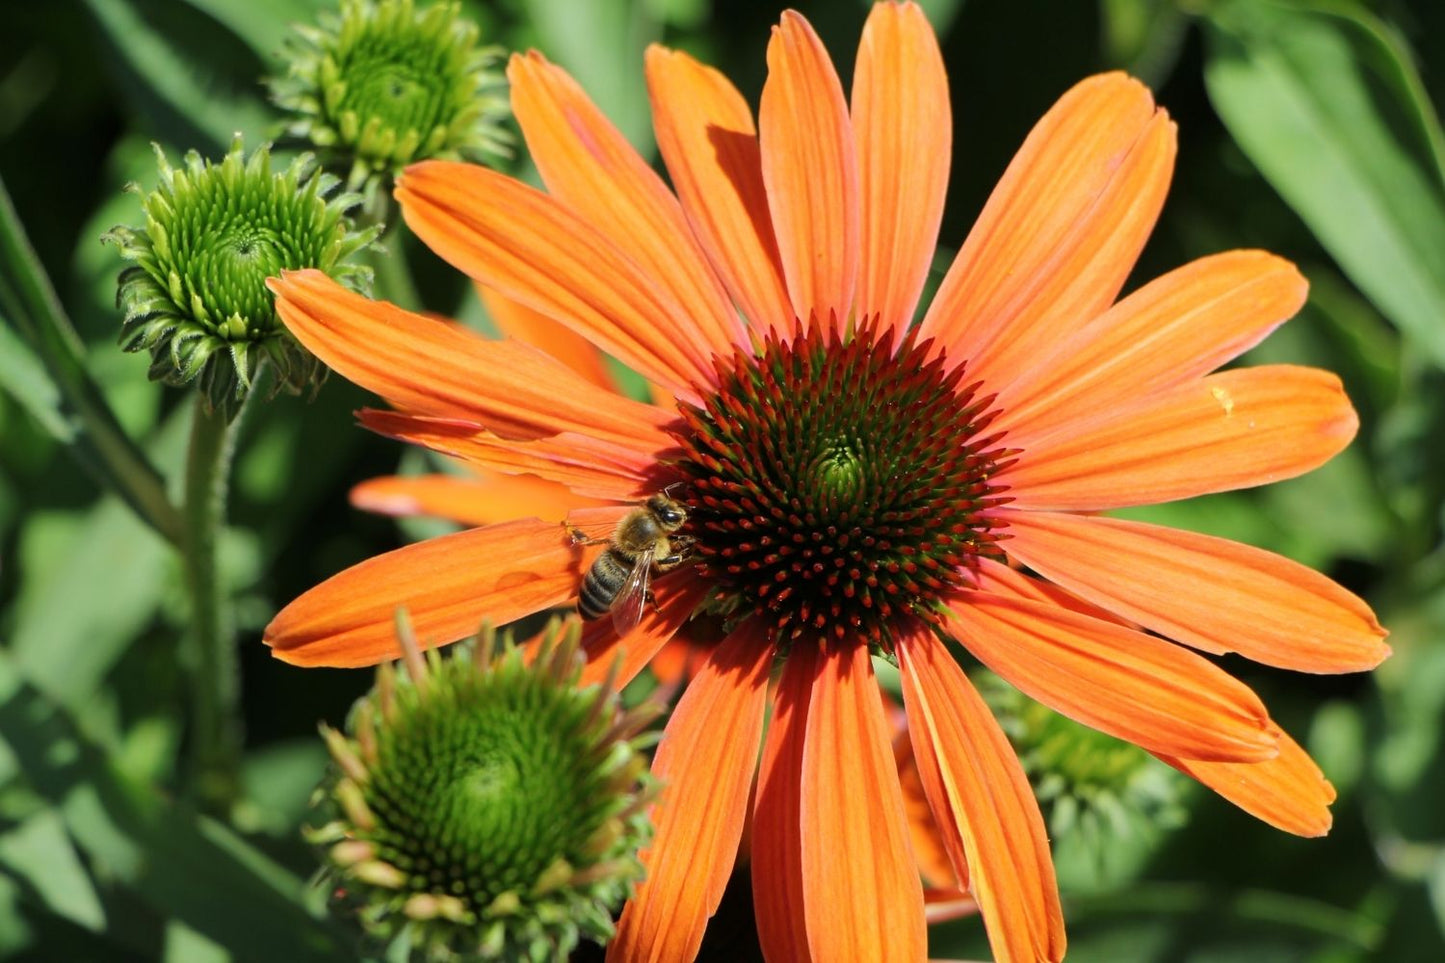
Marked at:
<point>23,377</point>
<point>1327,106</point>
<point>183,866</point>
<point>39,852</point>
<point>94,582</point>
<point>185,945</point>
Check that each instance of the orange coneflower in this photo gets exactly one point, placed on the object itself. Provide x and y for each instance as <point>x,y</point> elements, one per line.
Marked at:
<point>855,485</point>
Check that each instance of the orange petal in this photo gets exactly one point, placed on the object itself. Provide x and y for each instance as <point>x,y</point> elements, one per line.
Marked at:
<point>672,665</point>
<point>1050,594</point>
<point>518,321</point>
<point>471,501</point>
<point>1061,231</point>
<point>862,898</point>
<point>934,863</point>
<point>705,762</point>
<point>1174,329</point>
<point>436,368</point>
<point>674,599</point>
<point>777,841</point>
<point>904,128</point>
<point>590,167</point>
<point>811,171</point>
<point>983,801</point>
<point>532,249</point>
<point>1235,429</point>
<point>706,135</point>
<point>448,585</point>
<point>1288,792</point>
<point>1141,689</point>
<point>1211,593</point>
<point>588,466</point>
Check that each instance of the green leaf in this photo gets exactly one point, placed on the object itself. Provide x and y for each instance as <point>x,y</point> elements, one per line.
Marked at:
<point>183,866</point>
<point>601,43</point>
<point>28,300</point>
<point>39,852</point>
<point>23,376</point>
<point>191,78</point>
<point>262,24</point>
<point>94,581</point>
<point>279,781</point>
<point>15,932</point>
<point>1324,101</point>
<point>1436,888</point>
<point>185,945</point>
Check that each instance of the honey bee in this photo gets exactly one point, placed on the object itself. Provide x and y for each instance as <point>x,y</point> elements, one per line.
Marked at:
<point>642,542</point>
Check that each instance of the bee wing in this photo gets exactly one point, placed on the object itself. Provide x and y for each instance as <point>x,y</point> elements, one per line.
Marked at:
<point>628,606</point>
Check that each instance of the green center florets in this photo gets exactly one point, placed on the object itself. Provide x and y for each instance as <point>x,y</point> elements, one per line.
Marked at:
<point>196,296</point>
<point>834,485</point>
<point>384,84</point>
<point>491,807</point>
<point>479,792</point>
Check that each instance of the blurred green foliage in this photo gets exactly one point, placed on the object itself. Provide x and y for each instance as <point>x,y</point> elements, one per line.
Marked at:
<point>1307,128</point>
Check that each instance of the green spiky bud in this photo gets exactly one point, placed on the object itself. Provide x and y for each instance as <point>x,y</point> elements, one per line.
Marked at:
<point>1108,803</point>
<point>484,806</point>
<point>196,296</point>
<point>383,84</point>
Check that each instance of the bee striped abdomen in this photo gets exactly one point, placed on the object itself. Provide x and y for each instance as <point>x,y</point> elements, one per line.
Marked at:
<point>602,583</point>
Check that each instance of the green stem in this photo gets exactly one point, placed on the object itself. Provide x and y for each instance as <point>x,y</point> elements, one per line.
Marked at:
<point>103,446</point>
<point>216,737</point>
<point>393,280</point>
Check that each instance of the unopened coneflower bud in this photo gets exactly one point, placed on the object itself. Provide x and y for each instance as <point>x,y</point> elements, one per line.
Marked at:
<point>381,84</point>
<point>1108,803</point>
<point>476,807</point>
<point>196,295</point>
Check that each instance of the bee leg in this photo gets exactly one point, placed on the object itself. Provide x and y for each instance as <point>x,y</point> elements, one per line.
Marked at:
<point>672,560</point>
<point>580,537</point>
<point>682,551</point>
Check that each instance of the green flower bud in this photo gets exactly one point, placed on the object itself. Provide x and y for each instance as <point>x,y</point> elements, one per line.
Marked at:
<point>383,84</point>
<point>1107,803</point>
<point>484,806</point>
<point>196,296</point>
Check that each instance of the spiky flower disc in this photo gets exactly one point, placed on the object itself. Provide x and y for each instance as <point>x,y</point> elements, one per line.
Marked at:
<point>196,297</point>
<point>383,84</point>
<point>837,483</point>
<point>488,808</point>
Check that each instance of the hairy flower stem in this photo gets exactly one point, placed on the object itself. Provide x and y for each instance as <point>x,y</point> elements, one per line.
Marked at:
<point>215,731</point>
<point>28,301</point>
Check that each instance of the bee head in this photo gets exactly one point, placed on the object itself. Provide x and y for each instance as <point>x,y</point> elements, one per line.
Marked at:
<point>669,514</point>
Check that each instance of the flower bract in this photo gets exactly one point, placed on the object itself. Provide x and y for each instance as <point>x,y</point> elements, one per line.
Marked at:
<point>195,296</point>
<point>485,806</point>
<point>382,83</point>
